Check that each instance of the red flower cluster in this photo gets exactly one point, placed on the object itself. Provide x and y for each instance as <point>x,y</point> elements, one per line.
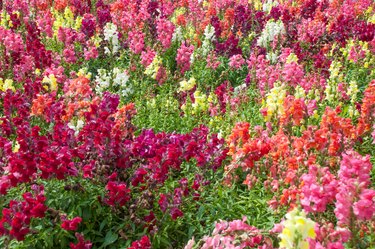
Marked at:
<point>16,219</point>
<point>143,243</point>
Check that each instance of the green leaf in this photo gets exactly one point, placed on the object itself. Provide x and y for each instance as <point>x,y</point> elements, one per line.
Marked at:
<point>109,238</point>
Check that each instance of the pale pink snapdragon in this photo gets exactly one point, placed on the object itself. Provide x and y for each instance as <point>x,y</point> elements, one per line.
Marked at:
<point>183,57</point>
<point>236,61</point>
<point>45,23</point>
<point>136,41</point>
<point>212,61</point>
<point>90,52</point>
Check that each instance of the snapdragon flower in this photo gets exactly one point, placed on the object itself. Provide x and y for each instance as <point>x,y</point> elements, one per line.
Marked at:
<point>111,35</point>
<point>270,31</point>
<point>297,229</point>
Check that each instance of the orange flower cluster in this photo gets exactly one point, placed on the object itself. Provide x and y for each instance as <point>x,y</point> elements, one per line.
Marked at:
<point>282,159</point>
<point>41,103</point>
<point>79,97</point>
<point>367,110</point>
<point>123,126</point>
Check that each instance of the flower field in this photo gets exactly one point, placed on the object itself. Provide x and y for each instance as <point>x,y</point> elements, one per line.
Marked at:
<point>195,124</point>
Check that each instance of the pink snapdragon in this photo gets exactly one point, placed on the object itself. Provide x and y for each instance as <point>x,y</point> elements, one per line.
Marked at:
<point>136,41</point>
<point>147,57</point>
<point>236,61</point>
<point>212,61</point>
<point>184,54</point>
<point>319,189</point>
<point>353,195</point>
<point>165,29</point>
<point>364,208</point>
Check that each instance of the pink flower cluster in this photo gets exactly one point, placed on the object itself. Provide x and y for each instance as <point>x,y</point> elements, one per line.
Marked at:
<point>236,61</point>
<point>136,41</point>
<point>165,29</point>
<point>354,195</point>
<point>318,190</point>
<point>235,235</point>
<point>183,57</point>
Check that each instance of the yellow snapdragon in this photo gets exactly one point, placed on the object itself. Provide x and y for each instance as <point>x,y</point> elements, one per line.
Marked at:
<point>257,4</point>
<point>200,103</point>
<point>153,68</point>
<point>297,229</point>
<point>6,84</point>
<point>187,85</point>
<point>300,92</point>
<point>274,101</point>
<point>37,71</point>
<point>51,82</point>
<point>84,72</point>
<point>292,58</point>
<point>335,76</point>
<point>65,20</point>
<point>15,147</point>
<point>5,20</point>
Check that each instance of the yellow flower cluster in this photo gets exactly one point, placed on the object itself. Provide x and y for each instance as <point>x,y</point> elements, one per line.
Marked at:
<point>5,20</point>
<point>84,72</point>
<point>274,101</point>
<point>335,77</point>
<point>65,20</point>
<point>292,58</point>
<point>6,84</point>
<point>50,81</point>
<point>200,104</point>
<point>257,4</point>
<point>15,147</point>
<point>371,18</point>
<point>153,68</point>
<point>297,229</point>
<point>187,85</point>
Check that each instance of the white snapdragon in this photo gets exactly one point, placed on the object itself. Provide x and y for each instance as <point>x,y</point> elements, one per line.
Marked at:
<point>209,37</point>
<point>76,126</point>
<point>267,6</point>
<point>177,35</point>
<point>270,31</point>
<point>103,81</point>
<point>117,78</point>
<point>111,35</point>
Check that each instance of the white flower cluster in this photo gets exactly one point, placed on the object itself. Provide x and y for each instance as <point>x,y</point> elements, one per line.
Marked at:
<point>270,31</point>
<point>209,37</point>
<point>76,126</point>
<point>111,35</point>
<point>177,35</point>
<point>267,6</point>
<point>117,79</point>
